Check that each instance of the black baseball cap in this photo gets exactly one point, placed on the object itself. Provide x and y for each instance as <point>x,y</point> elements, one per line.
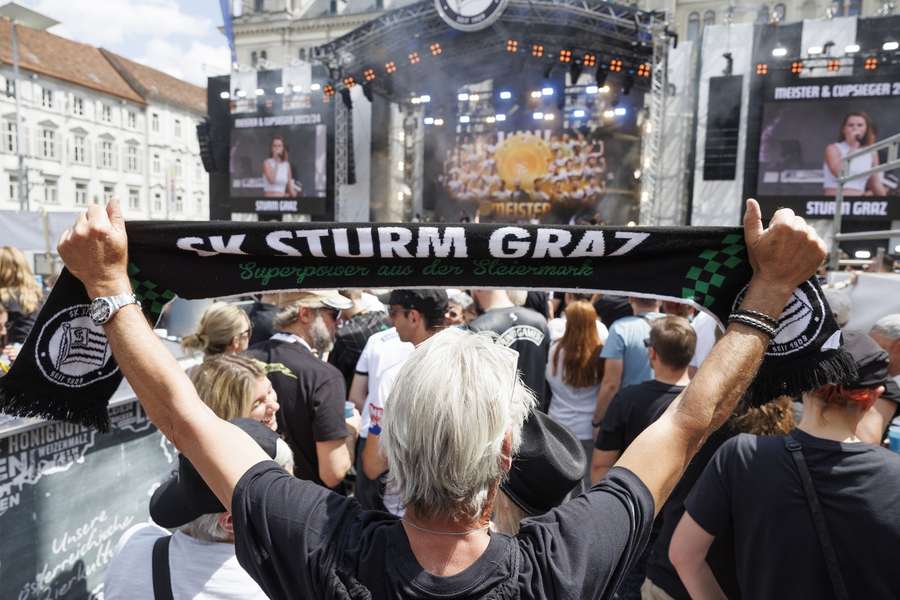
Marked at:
<point>432,303</point>
<point>871,360</point>
<point>549,465</point>
<point>185,496</point>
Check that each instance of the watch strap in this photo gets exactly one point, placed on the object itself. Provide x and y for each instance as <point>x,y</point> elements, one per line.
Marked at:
<point>121,300</point>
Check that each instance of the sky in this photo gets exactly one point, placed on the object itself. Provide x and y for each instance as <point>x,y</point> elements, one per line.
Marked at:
<point>179,37</point>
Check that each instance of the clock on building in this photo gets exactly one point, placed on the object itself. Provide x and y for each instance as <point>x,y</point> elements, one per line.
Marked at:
<point>470,15</point>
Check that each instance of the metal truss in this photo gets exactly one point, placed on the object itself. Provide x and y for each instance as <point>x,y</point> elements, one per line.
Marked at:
<point>342,117</point>
<point>651,195</point>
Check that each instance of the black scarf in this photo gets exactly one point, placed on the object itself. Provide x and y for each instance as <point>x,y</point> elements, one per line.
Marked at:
<point>66,370</point>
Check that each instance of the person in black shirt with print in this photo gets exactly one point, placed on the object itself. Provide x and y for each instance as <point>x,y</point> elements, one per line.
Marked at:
<point>452,431</point>
<point>752,489</point>
<point>357,325</point>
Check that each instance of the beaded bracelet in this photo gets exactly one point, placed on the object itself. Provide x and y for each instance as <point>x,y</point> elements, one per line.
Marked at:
<point>753,322</point>
<point>771,322</point>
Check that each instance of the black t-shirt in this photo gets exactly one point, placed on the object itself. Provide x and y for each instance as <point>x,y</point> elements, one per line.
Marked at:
<point>612,308</point>
<point>312,403</point>
<point>351,338</point>
<point>525,331</point>
<point>298,540</point>
<point>752,488</point>
<point>632,410</point>
<point>537,301</point>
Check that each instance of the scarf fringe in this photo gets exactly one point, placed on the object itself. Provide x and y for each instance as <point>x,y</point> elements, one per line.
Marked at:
<point>91,413</point>
<point>798,376</point>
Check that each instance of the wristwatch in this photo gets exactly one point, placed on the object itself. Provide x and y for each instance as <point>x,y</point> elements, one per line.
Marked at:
<point>104,307</point>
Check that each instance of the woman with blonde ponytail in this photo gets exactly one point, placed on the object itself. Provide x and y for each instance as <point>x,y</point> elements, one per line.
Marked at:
<point>224,328</point>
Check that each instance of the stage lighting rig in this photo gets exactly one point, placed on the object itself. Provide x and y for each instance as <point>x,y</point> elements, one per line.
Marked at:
<point>834,65</point>
<point>589,60</point>
<point>435,49</point>
<point>390,67</point>
<point>797,67</point>
<point>643,70</point>
<point>369,74</point>
<point>414,58</point>
<point>870,64</point>
<point>565,56</point>
<point>762,69</point>
<point>537,50</point>
<point>512,46</point>
<point>615,65</point>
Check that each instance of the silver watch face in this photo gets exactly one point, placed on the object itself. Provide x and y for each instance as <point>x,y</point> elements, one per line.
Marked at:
<point>101,311</point>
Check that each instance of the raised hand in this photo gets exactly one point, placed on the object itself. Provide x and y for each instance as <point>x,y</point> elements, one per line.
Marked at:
<point>95,250</point>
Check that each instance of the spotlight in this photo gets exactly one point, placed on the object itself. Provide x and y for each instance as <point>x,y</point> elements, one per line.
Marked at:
<point>862,254</point>
<point>578,114</point>
<point>779,52</point>
<point>500,117</point>
<point>890,46</point>
<point>505,95</point>
<point>851,49</point>
<point>435,49</point>
<point>548,116</point>
<point>547,91</point>
<point>328,90</point>
<point>589,60</point>
<point>345,97</point>
<point>512,46</point>
<point>390,67</point>
<point>536,94</point>
<point>260,91</point>
<point>797,67</point>
<point>762,69</point>
<point>224,95</point>
<point>537,50</point>
<point>349,81</point>
<point>620,111</point>
<point>465,119</point>
<point>462,96</point>
<point>834,65</point>
<point>565,56</point>
<point>538,116</point>
<point>591,90</point>
<point>473,97</point>
<point>367,90</point>
<point>627,84</point>
<point>643,70</point>
<point>729,64</point>
<point>414,58</point>
<point>240,93</point>
<point>871,63</point>
<point>609,114</point>
<point>299,88</point>
<point>601,75</point>
<point>438,122</point>
<point>429,120</point>
<point>615,65</point>
<point>575,70</point>
<point>313,88</point>
<point>424,98</point>
<point>812,51</point>
<point>369,74</point>
<point>279,90</point>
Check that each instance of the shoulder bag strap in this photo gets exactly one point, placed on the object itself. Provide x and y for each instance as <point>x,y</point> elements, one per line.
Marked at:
<point>162,577</point>
<point>818,517</point>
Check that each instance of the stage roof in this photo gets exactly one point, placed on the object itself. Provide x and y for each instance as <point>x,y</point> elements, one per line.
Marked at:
<point>605,30</point>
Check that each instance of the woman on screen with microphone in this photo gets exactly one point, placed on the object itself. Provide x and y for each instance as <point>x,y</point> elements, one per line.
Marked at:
<point>278,180</point>
<point>856,132</point>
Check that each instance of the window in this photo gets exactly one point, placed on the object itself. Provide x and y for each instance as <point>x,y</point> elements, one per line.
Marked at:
<point>157,202</point>
<point>78,106</point>
<point>762,15</point>
<point>47,98</point>
<point>709,18</point>
<point>853,8</point>
<point>13,187</point>
<point>79,149</point>
<point>178,169</point>
<point>258,5</point>
<point>10,87</point>
<point>134,198</point>
<point>693,27</point>
<point>81,196</point>
<point>263,55</point>
<point>131,158</point>
<point>132,119</point>
<point>197,173</point>
<point>177,127</point>
<point>301,54</point>
<point>106,154</point>
<point>154,122</point>
<point>199,201</point>
<point>254,59</point>
<point>106,113</point>
<point>50,192</point>
<point>157,166</point>
<point>779,13</point>
<point>179,203</point>
<point>332,7</point>
<point>48,143</point>
<point>10,142</point>
<point>108,193</point>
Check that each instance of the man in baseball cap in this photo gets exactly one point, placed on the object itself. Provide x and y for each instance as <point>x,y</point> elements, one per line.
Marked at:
<point>198,560</point>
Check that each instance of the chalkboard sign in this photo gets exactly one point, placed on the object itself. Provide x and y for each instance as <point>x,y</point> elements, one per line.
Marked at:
<point>67,493</point>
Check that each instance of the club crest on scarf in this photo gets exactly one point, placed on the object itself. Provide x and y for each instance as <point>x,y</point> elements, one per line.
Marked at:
<point>799,324</point>
<point>72,351</point>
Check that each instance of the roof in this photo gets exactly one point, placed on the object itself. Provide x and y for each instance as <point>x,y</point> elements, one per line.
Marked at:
<point>25,16</point>
<point>156,85</point>
<point>48,54</point>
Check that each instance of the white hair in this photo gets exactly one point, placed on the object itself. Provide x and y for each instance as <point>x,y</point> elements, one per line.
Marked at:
<point>207,528</point>
<point>518,297</point>
<point>840,304</point>
<point>888,326</point>
<point>451,407</point>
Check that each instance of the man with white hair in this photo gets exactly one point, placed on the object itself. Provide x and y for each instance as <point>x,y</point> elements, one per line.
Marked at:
<point>453,428</point>
<point>886,333</point>
<point>873,427</point>
<point>312,395</point>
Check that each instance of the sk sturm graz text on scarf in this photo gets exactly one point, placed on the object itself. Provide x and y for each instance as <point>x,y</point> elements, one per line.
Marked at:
<point>66,370</point>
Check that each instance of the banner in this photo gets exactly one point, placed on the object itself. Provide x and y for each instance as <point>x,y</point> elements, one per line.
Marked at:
<point>66,370</point>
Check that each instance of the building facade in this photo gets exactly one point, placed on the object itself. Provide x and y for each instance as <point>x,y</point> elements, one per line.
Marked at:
<point>96,126</point>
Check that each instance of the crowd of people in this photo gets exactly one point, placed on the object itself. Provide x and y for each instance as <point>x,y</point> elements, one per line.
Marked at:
<point>486,443</point>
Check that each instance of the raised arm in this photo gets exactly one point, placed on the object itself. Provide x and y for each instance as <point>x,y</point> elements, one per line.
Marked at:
<point>782,256</point>
<point>95,250</point>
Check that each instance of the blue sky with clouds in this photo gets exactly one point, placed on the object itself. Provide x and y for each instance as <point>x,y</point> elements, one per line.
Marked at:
<point>180,37</point>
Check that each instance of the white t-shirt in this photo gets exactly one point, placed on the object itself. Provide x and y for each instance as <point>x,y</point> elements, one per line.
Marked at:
<point>573,407</point>
<point>557,328</point>
<point>382,351</point>
<point>705,328</point>
<point>385,386</point>
<point>199,570</point>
